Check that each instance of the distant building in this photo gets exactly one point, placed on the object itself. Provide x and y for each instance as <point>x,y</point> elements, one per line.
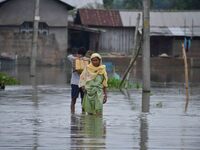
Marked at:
<point>113,37</point>
<point>16,28</point>
<point>168,30</point>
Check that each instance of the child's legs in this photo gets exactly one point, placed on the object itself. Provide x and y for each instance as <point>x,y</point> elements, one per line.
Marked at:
<point>74,96</point>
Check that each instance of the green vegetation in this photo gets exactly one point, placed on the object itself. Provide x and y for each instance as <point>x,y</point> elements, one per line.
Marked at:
<point>114,83</point>
<point>155,4</point>
<point>7,80</point>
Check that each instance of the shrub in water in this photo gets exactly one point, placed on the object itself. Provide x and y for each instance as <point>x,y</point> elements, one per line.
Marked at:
<point>7,80</point>
<point>114,83</point>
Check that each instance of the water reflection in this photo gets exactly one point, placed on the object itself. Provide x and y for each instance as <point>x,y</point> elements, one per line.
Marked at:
<point>35,134</point>
<point>35,119</point>
<point>87,131</point>
<point>143,132</point>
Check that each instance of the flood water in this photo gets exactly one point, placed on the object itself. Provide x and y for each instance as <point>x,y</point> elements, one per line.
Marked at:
<point>36,115</point>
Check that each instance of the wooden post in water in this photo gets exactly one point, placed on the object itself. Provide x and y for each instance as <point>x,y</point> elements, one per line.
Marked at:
<point>36,20</point>
<point>186,77</point>
<point>146,56</point>
<point>146,46</point>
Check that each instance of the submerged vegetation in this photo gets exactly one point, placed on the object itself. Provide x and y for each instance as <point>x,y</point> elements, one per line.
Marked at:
<point>7,80</point>
<point>114,83</point>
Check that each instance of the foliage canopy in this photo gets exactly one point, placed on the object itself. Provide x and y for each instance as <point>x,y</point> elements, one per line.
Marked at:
<point>155,4</point>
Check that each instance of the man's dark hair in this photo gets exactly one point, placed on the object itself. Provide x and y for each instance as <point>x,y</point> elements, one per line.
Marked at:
<point>82,51</point>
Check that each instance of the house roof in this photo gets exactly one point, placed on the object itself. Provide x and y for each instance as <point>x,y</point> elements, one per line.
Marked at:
<point>11,15</point>
<point>165,23</point>
<point>163,19</point>
<point>82,28</point>
<point>168,23</point>
<point>78,3</point>
<point>99,17</point>
<point>69,6</point>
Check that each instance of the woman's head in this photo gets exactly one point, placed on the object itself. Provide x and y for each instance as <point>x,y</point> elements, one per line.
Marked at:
<point>96,59</point>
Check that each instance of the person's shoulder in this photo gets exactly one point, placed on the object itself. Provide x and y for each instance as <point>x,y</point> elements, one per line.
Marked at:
<point>71,57</point>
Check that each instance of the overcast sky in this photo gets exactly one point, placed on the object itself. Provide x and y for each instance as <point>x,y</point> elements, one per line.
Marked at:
<point>81,3</point>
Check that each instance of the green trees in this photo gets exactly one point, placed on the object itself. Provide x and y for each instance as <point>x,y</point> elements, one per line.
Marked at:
<point>108,4</point>
<point>123,4</point>
<point>186,4</point>
<point>155,4</point>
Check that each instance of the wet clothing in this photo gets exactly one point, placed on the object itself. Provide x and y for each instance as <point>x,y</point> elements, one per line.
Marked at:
<point>93,79</point>
<point>90,72</point>
<point>75,77</point>
<point>75,91</point>
<point>93,98</point>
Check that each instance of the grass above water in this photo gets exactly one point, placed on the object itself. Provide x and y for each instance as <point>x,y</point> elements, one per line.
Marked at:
<point>7,80</point>
<point>114,84</point>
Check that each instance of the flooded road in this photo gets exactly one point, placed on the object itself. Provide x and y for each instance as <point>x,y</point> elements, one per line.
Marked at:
<point>36,116</point>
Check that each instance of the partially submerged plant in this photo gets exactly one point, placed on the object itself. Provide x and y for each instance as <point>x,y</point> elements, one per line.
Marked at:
<point>114,83</point>
<point>7,80</point>
<point>159,105</point>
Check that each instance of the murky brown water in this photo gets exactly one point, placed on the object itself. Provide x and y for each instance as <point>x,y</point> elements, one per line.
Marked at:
<point>36,116</point>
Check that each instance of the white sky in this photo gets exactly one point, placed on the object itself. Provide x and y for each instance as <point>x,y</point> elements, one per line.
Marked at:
<point>81,3</point>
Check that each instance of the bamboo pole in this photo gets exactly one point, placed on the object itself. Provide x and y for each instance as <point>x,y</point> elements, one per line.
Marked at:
<point>131,63</point>
<point>186,77</point>
<point>134,54</point>
<point>134,47</point>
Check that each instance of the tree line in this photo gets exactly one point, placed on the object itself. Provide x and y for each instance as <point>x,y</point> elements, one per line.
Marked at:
<point>155,4</point>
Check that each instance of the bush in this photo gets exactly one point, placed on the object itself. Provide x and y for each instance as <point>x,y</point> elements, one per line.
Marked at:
<point>7,80</point>
<point>114,83</point>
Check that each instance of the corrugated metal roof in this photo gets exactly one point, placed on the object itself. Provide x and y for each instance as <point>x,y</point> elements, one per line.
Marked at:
<point>172,31</point>
<point>162,23</point>
<point>129,18</point>
<point>100,17</point>
<point>177,31</point>
<point>163,19</point>
<point>167,23</point>
<point>83,28</point>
